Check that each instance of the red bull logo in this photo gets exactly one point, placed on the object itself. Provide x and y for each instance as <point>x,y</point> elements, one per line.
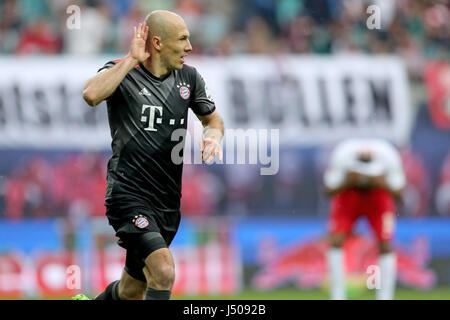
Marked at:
<point>305,265</point>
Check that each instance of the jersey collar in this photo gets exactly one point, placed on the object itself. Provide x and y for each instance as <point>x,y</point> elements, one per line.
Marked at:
<point>151,75</point>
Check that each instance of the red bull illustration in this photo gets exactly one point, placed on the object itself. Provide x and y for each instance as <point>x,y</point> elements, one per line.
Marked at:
<point>304,264</point>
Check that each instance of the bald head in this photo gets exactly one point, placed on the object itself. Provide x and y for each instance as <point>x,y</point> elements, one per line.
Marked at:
<point>163,23</point>
<point>167,40</point>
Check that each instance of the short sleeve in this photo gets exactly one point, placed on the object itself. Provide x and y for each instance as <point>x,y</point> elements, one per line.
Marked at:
<point>395,174</point>
<point>107,65</point>
<point>335,174</point>
<point>202,103</point>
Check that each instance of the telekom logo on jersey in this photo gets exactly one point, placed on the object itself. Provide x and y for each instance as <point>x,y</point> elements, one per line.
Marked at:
<point>251,144</point>
<point>151,120</point>
<point>151,117</point>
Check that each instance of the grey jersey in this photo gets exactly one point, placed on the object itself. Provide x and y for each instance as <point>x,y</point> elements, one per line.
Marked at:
<point>143,112</point>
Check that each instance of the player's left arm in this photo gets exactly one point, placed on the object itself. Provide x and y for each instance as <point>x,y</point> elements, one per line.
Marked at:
<point>394,179</point>
<point>381,182</point>
<point>213,129</point>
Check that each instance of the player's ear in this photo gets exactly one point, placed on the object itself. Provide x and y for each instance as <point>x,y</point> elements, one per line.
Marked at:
<point>156,42</point>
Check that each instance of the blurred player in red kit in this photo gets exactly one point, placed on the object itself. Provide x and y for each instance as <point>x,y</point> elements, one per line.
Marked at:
<point>364,178</point>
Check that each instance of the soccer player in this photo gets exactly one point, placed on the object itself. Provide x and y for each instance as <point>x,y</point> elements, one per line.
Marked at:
<point>364,178</point>
<point>148,94</point>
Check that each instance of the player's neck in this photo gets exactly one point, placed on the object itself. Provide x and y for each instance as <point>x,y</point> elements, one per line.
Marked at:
<point>155,67</point>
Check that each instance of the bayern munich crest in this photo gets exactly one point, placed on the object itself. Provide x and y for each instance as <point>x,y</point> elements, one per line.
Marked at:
<point>140,221</point>
<point>184,90</point>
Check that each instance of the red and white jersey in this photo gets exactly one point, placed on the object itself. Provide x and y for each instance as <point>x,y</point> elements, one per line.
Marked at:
<point>385,160</point>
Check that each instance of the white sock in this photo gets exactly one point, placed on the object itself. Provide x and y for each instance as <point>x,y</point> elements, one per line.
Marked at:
<point>388,274</point>
<point>337,273</point>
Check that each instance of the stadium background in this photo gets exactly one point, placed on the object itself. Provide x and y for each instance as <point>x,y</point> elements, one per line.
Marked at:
<point>310,68</point>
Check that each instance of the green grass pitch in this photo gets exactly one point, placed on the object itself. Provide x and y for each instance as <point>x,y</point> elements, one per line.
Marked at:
<point>440,293</point>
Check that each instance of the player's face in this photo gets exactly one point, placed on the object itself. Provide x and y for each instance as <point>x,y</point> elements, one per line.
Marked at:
<point>176,47</point>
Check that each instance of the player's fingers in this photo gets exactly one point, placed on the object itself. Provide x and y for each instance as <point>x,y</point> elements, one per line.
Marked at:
<point>211,158</point>
<point>202,150</point>
<point>209,148</point>
<point>206,157</point>
<point>214,152</point>
<point>207,152</point>
<point>145,33</point>
<point>206,146</point>
<point>139,31</point>
<point>217,153</point>
<point>134,32</point>
<point>220,154</point>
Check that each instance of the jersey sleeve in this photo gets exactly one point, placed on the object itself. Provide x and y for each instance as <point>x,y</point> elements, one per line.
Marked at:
<point>107,65</point>
<point>335,174</point>
<point>202,103</point>
<point>395,176</point>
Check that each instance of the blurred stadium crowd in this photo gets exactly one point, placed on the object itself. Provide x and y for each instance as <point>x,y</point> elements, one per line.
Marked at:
<point>76,184</point>
<point>415,30</point>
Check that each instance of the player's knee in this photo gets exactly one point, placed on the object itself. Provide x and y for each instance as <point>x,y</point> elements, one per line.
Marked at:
<point>167,275</point>
<point>385,247</point>
<point>163,277</point>
<point>336,240</point>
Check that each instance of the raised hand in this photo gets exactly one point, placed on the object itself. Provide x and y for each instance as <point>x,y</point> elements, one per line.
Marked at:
<point>137,48</point>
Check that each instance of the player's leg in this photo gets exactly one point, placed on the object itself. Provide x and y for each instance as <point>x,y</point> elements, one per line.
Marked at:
<point>127,288</point>
<point>144,250</point>
<point>342,217</point>
<point>131,288</point>
<point>139,240</point>
<point>335,260</point>
<point>387,260</point>
<point>110,293</point>
<point>159,267</point>
<point>382,220</point>
<point>159,271</point>
<point>140,235</point>
<point>132,283</point>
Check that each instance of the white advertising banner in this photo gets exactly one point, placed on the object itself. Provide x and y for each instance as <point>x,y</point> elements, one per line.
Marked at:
<point>310,99</point>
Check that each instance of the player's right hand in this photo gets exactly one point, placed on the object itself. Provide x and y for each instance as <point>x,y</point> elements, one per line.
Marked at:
<point>138,49</point>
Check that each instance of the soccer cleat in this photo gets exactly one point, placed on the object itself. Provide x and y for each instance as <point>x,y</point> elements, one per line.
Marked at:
<point>80,297</point>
